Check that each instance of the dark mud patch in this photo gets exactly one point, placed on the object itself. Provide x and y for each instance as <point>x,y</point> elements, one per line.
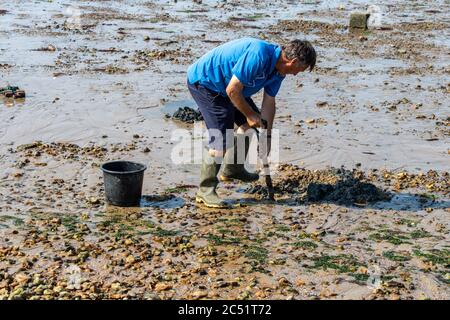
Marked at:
<point>381,189</point>
<point>341,186</point>
<point>349,191</point>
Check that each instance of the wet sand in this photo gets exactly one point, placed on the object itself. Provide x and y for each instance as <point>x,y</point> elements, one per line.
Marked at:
<point>377,104</point>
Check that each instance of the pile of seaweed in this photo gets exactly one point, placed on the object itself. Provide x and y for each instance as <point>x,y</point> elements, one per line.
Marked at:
<point>335,185</point>
<point>187,115</point>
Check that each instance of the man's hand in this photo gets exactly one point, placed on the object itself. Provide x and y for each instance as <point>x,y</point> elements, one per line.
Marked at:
<point>254,120</point>
<point>234,92</point>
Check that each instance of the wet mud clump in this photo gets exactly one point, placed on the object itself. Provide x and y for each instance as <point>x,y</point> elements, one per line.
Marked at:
<point>187,115</point>
<point>347,191</point>
<point>337,185</point>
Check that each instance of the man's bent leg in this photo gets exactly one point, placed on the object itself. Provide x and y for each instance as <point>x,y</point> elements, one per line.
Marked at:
<point>218,116</point>
<point>206,193</point>
<point>235,157</point>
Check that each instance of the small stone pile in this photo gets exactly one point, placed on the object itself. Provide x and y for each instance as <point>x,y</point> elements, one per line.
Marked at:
<point>187,115</point>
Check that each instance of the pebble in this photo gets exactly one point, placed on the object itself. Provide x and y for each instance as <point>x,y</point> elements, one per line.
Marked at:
<point>199,294</point>
<point>161,286</point>
<point>130,259</point>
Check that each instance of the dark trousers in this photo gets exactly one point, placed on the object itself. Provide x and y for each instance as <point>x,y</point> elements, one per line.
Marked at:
<point>219,114</point>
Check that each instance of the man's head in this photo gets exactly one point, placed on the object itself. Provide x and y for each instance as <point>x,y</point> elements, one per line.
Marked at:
<point>296,56</point>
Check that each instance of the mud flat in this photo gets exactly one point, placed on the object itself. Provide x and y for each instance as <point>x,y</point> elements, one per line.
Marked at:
<point>362,191</point>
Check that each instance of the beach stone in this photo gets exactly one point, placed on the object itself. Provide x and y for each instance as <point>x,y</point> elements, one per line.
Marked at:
<point>162,287</point>
<point>199,294</point>
<point>358,20</point>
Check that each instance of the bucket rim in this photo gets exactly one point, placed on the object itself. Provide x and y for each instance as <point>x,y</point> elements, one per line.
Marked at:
<point>144,167</point>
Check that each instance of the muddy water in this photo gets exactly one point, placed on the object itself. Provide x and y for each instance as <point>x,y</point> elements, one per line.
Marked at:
<point>119,66</point>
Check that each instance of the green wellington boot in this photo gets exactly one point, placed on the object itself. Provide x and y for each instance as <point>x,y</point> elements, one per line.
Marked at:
<point>208,183</point>
<point>234,170</point>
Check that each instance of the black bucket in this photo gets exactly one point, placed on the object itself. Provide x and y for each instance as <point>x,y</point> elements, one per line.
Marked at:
<point>123,182</point>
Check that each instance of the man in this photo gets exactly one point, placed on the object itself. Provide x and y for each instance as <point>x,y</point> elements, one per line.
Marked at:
<point>222,83</point>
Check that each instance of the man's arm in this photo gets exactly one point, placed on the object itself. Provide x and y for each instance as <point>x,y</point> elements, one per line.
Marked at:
<point>268,113</point>
<point>268,110</point>
<point>234,92</point>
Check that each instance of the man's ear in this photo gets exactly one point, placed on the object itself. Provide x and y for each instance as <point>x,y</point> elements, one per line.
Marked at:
<point>293,61</point>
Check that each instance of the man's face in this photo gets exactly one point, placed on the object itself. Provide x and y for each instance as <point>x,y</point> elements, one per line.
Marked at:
<point>294,67</point>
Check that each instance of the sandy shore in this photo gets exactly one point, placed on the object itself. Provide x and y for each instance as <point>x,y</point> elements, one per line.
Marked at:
<point>99,78</point>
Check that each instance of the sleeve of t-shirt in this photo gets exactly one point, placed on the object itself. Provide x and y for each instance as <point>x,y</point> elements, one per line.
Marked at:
<point>247,68</point>
<point>273,88</point>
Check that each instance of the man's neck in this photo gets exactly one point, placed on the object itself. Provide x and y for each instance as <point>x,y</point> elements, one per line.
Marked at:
<point>279,66</point>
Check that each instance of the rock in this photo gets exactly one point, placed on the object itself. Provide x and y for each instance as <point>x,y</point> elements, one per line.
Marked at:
<point>12,91</point>
<point>188,115</point>
<point>22,278</point>
<point>130,259</point>
<point>321,104</point>
<point>394,296</point>
<point>315,121</point>
<point>48,292</point>
<point>115,286</point>
<point>151,296</point>
<point>358,20</point>
<point>93,200</point>
<point>199,294</point>
<point>300,282</point>
<point>16,294</point>
<point>161,286</point>
<point>49,48</point>
<point>283,282</point>
<point>17,174</point>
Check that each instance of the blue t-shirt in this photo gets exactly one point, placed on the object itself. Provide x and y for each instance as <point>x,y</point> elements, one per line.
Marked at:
<point>252,61</point>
